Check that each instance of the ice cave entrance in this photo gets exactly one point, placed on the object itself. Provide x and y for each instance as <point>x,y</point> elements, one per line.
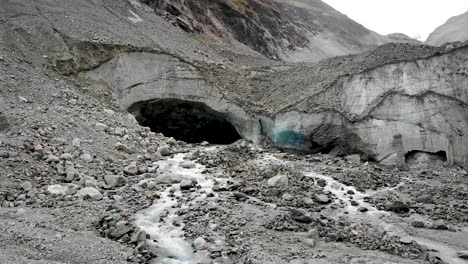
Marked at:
<point>417,156</point>
<point>189,121</point>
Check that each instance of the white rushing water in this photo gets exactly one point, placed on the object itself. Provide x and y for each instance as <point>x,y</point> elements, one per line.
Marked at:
<point>158,220</point>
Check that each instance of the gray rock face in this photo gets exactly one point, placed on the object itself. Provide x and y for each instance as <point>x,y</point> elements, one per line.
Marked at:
<point>453,30</point>
<point>295,30</point>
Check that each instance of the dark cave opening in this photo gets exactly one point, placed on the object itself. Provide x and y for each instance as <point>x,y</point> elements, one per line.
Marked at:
<point>418,156</point>
<point>189,121</point>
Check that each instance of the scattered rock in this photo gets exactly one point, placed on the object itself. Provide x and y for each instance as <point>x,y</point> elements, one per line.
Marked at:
<point>321,198</point>
<point>101,127</point>
<point>363,209</point>
<point>300,216</point>
<point>278,181</point>
<point>113,181</point>
<point>200,244</point>
<point>90,193</point>
<point>186,164</point>
<point>186,184</point>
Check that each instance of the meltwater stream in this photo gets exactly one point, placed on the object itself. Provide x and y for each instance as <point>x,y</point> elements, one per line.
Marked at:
<point>160,220</point>
<point>385,220</point>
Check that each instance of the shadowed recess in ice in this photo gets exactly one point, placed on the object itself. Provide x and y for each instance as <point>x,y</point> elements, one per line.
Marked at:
<point>189,121</point>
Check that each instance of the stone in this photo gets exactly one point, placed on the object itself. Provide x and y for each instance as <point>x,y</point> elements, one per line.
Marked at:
<point>62,189</point>
<point>308,202</point>
<point>121,228</point>
<point>321,198</point>
<point>164,150</point>
<point>200,244</point>
<point>354,159</point>
<point>76,142</point>
<point>186,164</point>
<point>26,186</point>
<point>287,197</point>
<point>101,127</point>
<point>313,233</point>
<point>71,174</point>
<point>406,240</point>
<point>90,193</point>
<point>310,242</point>
<point>418,224</point>
<point>66,156</point>
<point>439,224</point>
<point>462,254</point>
<point>131,169</point>
<point>52,159</point>
<point>354,203</point>
<point>363,209</point>
<point>279,181</point>
<point>138,236</point>
<point>186,184</point>
<point>86,157</point>
<point>300,216</point>
<point>113,181</point>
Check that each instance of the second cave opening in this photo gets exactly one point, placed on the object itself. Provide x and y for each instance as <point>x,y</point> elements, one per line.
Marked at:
<point>189,121</point>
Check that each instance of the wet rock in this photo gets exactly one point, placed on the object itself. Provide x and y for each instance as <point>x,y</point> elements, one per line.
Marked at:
<point>418,224</point>
<point>121,228</point>
<point>200,244</point>
<point>186,185</point>
<point>90,193</point>
<point>186,164</point>
<point>321,198</point>
<point>300,216</point>
<point>278,181</point>
<point>164,150</point>
<point>462,254</point>
<point>397,206</point>
<point>363,209</point>
<point>406,240</point>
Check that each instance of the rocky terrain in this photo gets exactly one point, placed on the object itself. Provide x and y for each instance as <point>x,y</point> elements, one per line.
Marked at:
<point>354,159</point>
<point>453,30</point>
<point>293,31</point>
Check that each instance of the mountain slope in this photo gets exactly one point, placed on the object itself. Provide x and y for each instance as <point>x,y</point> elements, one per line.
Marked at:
<point>453,30</point>
<point>295,30</point>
